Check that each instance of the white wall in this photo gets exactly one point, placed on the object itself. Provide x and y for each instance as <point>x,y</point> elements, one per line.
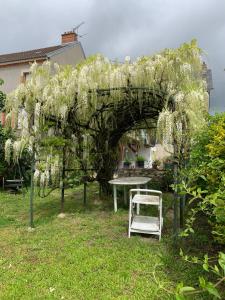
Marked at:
<point>69,56</point>
<point>12,76</point>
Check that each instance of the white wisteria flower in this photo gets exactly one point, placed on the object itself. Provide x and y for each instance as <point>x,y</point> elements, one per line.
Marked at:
<point>127,59</point>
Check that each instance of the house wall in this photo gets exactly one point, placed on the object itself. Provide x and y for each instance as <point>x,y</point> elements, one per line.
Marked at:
<point>69,56</point>
<point>12,76</point>
<point>150,154</point>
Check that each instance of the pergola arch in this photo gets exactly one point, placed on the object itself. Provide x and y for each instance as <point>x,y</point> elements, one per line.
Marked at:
<point>110,122</point>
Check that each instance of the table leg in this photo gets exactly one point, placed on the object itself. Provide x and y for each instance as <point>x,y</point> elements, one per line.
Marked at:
<point>138,205</point>
<point>115,198</point>
<point>146,187</point>
<point>125,195</point>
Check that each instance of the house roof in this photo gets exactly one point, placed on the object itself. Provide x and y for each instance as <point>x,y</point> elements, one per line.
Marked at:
<point>41,53</point>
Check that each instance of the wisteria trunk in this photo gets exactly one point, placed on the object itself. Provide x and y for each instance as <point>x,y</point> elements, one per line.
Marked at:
<point>106,163</point>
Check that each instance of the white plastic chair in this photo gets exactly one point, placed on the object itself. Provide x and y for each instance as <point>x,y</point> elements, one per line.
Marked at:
<point>145,224</point>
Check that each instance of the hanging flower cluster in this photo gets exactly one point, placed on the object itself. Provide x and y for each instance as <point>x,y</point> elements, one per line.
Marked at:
<point>42,104</point>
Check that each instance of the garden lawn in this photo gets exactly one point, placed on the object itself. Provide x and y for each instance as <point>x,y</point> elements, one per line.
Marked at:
<point>85,255</point>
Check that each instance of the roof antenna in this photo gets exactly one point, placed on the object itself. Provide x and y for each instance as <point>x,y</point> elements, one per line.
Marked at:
<point>75,29</point>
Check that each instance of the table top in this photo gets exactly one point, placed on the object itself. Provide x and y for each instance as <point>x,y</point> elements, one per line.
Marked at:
<point>130,180</point>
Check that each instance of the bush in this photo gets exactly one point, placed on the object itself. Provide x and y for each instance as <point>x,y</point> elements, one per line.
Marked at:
<point>11,170</point>
<point>206,176</point>
<point>205,186</point>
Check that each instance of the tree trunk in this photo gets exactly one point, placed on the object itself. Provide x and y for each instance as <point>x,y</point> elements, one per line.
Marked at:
<point>104,175</point>
<point>105,160</point>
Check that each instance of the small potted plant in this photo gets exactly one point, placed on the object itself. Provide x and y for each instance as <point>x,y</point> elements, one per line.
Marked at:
<point>126,163</point>
<point>140,161</point>
<point>155,164</point>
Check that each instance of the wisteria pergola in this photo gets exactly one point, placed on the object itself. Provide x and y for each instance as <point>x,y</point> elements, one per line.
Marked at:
<point>87,109</point>
<point>123,117</point>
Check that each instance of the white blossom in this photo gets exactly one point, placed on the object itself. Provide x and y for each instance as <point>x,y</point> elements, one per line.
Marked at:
<point>8,148</point>
<point>127,59</point>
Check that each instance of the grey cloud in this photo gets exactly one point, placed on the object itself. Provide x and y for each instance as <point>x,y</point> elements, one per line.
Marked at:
<point>118,28</point>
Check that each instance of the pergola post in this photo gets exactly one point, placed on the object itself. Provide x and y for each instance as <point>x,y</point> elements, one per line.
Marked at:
<point>63,179</point>
<point>31,209</point>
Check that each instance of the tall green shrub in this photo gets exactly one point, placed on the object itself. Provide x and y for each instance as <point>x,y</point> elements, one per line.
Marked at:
<point>205,185</point>
<point>206,176</point>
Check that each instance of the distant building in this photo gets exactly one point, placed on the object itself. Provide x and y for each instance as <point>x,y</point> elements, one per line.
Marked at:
<point>207,76</point>
<point>14,67</point>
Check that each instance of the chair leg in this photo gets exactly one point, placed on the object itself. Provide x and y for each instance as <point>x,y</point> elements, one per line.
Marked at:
<point>115,198</point>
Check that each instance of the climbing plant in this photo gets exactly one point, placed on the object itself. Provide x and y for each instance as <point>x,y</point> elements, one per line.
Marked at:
<point>92,105</point>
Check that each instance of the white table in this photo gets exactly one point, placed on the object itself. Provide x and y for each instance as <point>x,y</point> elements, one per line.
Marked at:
<point>127,181</point>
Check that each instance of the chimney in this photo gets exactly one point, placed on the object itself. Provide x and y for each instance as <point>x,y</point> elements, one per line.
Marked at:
<point>69,37</point>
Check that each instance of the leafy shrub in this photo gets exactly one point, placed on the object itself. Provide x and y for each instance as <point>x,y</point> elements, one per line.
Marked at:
<point>205,176</point>
<point>205,186</point>
<point>11,170</point>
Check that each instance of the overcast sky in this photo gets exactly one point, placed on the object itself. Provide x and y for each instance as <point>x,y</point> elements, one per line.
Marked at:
<point>117,28</point>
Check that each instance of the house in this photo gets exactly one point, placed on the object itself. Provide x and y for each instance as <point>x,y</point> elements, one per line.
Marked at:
<point>142,144</point>
<point>207,76</point>
<point>14,67</point>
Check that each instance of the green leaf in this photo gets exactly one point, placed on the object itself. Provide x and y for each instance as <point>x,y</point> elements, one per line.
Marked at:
<point>212,290</point>
<point>203,177</point>
<point>216,269</point>
<point>202,282</point>
<point>221,260</point>
<point>206,267</point>
<point>195,259</point>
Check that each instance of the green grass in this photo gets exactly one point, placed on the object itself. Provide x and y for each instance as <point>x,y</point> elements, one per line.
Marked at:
<point>85,255</point>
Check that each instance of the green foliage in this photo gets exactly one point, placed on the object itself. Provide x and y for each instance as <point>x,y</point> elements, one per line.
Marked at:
<point>2,97</point>
<point>127,160</point>
<point>204,286</point>
<point>9,169</point>
<point>167,180</point>
<point>140,158</point>
<point>205,175</point>
<point>4,135</point>
<point>205,187</point>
